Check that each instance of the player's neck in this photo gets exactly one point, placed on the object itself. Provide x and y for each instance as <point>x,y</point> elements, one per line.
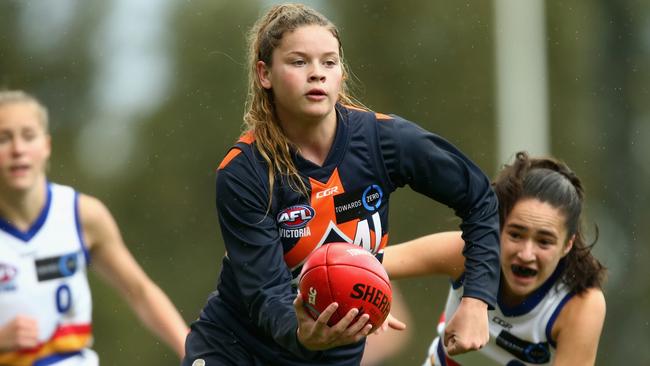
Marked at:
<point>314,141</point>
<point>22,208</point>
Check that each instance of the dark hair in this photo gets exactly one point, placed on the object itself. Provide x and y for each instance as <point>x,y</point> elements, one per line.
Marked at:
<point>551,181</point>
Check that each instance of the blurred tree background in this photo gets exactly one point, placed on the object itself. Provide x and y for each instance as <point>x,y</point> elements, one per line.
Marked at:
<point>147,96</point>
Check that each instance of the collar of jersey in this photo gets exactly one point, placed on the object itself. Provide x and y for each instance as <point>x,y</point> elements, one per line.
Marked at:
<point>534,298</point>
<point>26,236</point>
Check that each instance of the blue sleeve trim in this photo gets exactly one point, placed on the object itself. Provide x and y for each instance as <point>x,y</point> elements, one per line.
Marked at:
<point>441,353</point>
<point>77,219</point>
<point>556,312</point>
<point>457,283</point>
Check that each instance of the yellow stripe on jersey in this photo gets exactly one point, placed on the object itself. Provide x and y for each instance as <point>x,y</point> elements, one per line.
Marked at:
<point>67,338</point>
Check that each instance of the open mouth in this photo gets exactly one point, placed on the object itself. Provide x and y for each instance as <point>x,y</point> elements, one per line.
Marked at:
<point>522,271</point>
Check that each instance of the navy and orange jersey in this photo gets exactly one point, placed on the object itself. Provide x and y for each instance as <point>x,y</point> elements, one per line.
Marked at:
<point>348,198</point>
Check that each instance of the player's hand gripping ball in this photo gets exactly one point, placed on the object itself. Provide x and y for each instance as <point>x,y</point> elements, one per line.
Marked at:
<point>349,275</point>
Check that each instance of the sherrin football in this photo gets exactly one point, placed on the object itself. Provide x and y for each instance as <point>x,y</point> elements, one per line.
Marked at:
<point>349,275</point>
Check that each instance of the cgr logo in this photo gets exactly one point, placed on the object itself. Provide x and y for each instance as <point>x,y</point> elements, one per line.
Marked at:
<point>295,217</point>
<point>328,192</point>
<point>502,322</point>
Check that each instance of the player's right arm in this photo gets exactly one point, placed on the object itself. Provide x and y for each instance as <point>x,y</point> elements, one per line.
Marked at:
<point>19,333</point>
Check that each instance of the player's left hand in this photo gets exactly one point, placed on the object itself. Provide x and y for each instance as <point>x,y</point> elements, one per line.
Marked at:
<point>316,335</point>
<point>468,329</point>
<point>390,322</point>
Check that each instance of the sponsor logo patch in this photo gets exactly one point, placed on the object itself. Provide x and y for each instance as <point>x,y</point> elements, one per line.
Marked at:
<point>57,267</point>
<point>536,353</point>
<point>501,322</point>
<point>328,192</point>
<point>357,204</point>
<point>371,198</point>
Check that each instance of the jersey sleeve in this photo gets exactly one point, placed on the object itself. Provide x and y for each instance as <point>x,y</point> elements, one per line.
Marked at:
<point>254,249</point>
<point>434,167</point>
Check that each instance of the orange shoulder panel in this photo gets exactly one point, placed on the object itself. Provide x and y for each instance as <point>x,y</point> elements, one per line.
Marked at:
<point>231,155</point>
<point>355,108</point>
<point>382,116</point>
<point>247,138</point>
<point>377,115</point>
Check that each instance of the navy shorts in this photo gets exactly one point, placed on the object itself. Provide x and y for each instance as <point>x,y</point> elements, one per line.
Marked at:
<point>209,344</point>
<point>212,344</point>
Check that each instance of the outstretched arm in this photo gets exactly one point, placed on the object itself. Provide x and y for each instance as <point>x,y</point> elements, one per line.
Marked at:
<point>434,167</point>
<point>439,253</point>
<point>112,260</point>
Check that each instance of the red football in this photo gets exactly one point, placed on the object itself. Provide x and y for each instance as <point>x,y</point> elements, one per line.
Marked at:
<point>349,275</point>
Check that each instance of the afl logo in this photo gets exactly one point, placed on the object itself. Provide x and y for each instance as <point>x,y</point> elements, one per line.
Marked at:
<point>7,273</point>
<point>295,217</point>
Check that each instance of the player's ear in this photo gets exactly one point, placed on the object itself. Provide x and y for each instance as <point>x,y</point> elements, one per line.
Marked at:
<point>263,74</point>
<point>568,245</point>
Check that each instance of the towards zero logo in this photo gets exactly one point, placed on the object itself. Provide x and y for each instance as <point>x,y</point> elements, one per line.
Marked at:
<point>371,198</point>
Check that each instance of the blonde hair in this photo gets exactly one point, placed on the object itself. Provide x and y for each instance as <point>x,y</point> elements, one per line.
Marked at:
<point>260,117</point>
<point>18,96</point>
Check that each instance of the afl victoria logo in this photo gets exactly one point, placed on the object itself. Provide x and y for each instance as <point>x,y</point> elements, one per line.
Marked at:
<point>295,217</point>
<point>7,273</point>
